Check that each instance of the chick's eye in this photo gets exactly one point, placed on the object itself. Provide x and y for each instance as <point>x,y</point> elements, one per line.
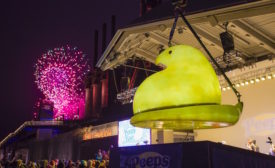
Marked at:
<point>170,52</point>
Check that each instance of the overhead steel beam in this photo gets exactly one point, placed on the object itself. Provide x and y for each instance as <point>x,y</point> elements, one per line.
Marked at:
<point>127,47</point>
<point>246,12</point>
<point>132,41</point>
<point>214,17</point>
<point>120,59</point>
<point>159,39</point>
<point>110,46</point>
<point>209,39</point>
<point>255,35</point>
<point>219,15</point>
<point>146,55</point>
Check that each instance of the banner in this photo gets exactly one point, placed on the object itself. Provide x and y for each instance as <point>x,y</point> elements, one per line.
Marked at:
<point>147,156</point>
<point>203,154</point>
<point>100,131</point>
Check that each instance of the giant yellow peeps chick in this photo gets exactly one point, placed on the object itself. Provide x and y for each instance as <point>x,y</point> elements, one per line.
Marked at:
<point>185,95</point>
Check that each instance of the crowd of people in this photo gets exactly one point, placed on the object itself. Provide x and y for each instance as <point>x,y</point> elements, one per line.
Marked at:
<point>101,161</point>
<point>56,164</point>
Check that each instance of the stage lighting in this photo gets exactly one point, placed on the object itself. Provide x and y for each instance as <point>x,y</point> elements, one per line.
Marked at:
<point>180,30</point>
<point>227,42</point>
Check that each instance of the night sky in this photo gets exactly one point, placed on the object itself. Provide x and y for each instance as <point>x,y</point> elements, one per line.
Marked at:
<point>31,27</point>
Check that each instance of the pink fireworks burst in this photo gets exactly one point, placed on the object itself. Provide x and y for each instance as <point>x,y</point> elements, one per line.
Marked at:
<point>59,74</point>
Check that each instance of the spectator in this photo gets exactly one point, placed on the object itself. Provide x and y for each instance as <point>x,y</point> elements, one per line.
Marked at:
<point>99,155</point>
<point>83,164</point>
<point>61,164</point>
<point>31,165</point>
<point>20,164</point>
<point>105,155</point>
<point>70,164</point>
<point>90,164</point>
<point>78,163</point>
<point>52,164</point>
<point>94,163</point>
<point>109,150</point>
<point>102,164</point>
<point>44,164</point>
<point>56,162</point>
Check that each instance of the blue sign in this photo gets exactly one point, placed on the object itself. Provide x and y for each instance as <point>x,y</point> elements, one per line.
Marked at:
<point>129,135</point>
<point>150,156</point>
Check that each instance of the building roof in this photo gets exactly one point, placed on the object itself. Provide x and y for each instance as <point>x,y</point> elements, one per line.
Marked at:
<point>30,124</point>
<point>28,129</point>
<point>250,22</point>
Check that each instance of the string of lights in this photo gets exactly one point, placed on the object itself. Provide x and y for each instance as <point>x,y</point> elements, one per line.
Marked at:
<point>251,77</point>
<point>126,96</point>
<point>241,80</point>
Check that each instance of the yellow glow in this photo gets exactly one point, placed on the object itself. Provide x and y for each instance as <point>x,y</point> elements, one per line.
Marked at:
<point>185,95</point>
<point>188,79</point>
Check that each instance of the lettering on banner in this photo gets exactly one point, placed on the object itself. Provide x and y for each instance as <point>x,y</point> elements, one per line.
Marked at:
<point>100,132</point>
<point>145,160</point>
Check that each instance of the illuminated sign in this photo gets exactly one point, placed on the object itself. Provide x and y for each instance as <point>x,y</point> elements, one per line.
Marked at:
<point>130,136</point>
<point>261,125</point>
<point>101,131</point>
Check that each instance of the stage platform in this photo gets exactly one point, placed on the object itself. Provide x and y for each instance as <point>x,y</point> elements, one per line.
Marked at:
<point>202,154</point>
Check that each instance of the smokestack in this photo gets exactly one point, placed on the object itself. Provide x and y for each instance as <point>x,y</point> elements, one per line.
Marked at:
<point>96,93</point>
<point>104,37</point>
<point>96,100</point>
<point>97,83</point>
<point>95,47</point>
<point>105,90</point>
<point>89,81</point>
<point>88,96</point>
<point>113,28</point>
<point>142,7</point>
<point>105,79</point>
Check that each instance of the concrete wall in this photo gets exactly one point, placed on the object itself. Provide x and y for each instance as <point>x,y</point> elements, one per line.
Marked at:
<point>169,136</point>
<point>64,146</point>
<point>162,136</point>
<point>257,120</point>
